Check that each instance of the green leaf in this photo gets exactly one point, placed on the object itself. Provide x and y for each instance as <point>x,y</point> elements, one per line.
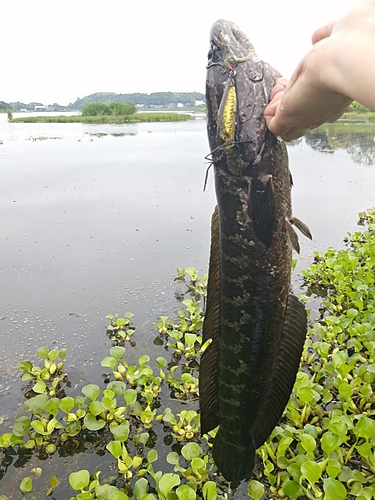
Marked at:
<point>92,391</point>
<point>66,404</point>
<point>118,495</point>
<point>209,491</point>
<point>115,448</point>
<point>120,432</point>
<point>184,492</point>
<point>95,408</point>
<point>365,427</point>
<point>308,442</point>
<point>52,355</point>
<point>26,485</point>
<point>311,471</point>
<point>117,352</point>
<point>292,489</point>
<point>334,490</point>
<point>130,396</point>
<point>255,489</point>
<point>191,450</point>
<point>173,458</point>
<point>42,352</point>
<point>161,362</point>
<point>168,482</point>
<point>79,480</point>
<point>117,386</point>
<point>21,426</point>
<point>330,442</point>
<point>152,456</point>
<point>140,488</point>
<point>109,362</point>
<point>37,404</point>
<point>92,423</point>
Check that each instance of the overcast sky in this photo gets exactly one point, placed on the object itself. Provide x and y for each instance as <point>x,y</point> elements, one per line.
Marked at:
<point>58,50</point>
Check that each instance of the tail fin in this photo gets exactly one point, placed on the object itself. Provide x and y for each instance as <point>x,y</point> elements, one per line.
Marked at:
<point>233,460</point>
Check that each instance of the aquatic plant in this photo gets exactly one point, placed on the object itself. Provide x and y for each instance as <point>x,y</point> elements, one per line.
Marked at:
<point>323,448</point>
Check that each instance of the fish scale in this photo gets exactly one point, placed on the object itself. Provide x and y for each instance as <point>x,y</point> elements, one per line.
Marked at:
<point>256,326</point>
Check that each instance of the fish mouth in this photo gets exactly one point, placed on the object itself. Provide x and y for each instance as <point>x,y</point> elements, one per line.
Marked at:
<point>229,44</point>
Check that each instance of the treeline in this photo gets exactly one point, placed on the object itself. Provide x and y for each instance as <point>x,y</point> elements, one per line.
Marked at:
<point>112,109</point>
<point>164,99</point>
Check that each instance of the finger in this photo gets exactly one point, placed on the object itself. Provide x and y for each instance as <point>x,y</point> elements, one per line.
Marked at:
<point>278,89</point>
<point>322,32</point>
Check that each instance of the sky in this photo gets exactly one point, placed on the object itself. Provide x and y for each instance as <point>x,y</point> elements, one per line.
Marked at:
<point>59,50</point>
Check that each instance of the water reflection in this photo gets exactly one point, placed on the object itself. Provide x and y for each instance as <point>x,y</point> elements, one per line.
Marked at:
<point>358,140</point>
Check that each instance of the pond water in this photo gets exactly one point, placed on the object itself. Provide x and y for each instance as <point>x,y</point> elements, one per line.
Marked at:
<point>95,219</point>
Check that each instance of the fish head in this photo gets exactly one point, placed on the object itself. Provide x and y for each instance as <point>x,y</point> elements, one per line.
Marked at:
<point>238,86</point>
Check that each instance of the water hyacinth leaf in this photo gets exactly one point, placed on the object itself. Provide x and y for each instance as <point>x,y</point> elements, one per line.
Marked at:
<point>117,495</point>
<point>62,354</point>
<point>42,352</point>
<point>334,490</point>
<point>333,468</point>
<point>37,404</point>
<point>209,491</point>
<point>173,458</point>
<point>141,438</point>
<point>142,360</point>
<point>92,391</point>
<point>365,427</point>
<point>51,448</point>
<point>26,485</point>
<point>52,355</point>
<point>184,492</point>
<point>115,448</point>
<point>120,432</point>
<point>311,471</point>
<point>161,362</point>
<point>152,456</point>
<point>66,404</point>
<point>255,490</point>
<point>53,481</point>
<point>25,366</point>
<point>330,442</point>
<point>92,423</point>
<point>140,488</point>
<point>168,482</point>
<point>117,352</point>
<point>292,489</point>
<point>21,426</point>
<point>308,443</point>
<point>79,480</point>
<point>52,407</point>
<point>39,387</point>
<point>191,451</point>
<point>117,386</point>
<point>96,408</point>
<point>109,362</point>
<point>39,427</point>
<point>137,461</point>
<point>130,396</point>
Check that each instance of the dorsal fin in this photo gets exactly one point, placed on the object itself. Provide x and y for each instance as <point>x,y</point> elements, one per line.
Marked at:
<point>208,400</point>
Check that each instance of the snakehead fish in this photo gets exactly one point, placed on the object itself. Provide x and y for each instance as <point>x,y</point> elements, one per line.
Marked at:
<point>256,326</point>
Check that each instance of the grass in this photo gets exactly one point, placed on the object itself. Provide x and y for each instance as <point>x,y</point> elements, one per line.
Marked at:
<point>135,118</point>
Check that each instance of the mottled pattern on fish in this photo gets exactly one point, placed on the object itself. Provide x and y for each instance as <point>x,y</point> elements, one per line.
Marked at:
<point>256,325</point>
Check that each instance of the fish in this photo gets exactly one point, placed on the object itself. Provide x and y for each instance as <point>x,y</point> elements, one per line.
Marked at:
<point>254,325</point>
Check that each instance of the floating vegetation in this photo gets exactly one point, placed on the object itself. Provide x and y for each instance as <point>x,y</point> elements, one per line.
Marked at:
<point>117,119</point>
<point>145,417</point>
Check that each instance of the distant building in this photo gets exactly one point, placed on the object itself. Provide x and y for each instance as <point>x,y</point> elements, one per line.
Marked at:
<point>39,108</point>
<point>199,103</point>
<point>180,105</point>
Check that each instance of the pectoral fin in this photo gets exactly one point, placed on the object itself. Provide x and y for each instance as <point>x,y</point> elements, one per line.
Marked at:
<point>284,374</point>
<point>208,400</point>
<point>263,211</point>
<point>301,226</point>
<point>291,236</point>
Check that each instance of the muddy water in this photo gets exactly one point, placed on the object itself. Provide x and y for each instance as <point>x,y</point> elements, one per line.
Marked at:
<point>96,218</point>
